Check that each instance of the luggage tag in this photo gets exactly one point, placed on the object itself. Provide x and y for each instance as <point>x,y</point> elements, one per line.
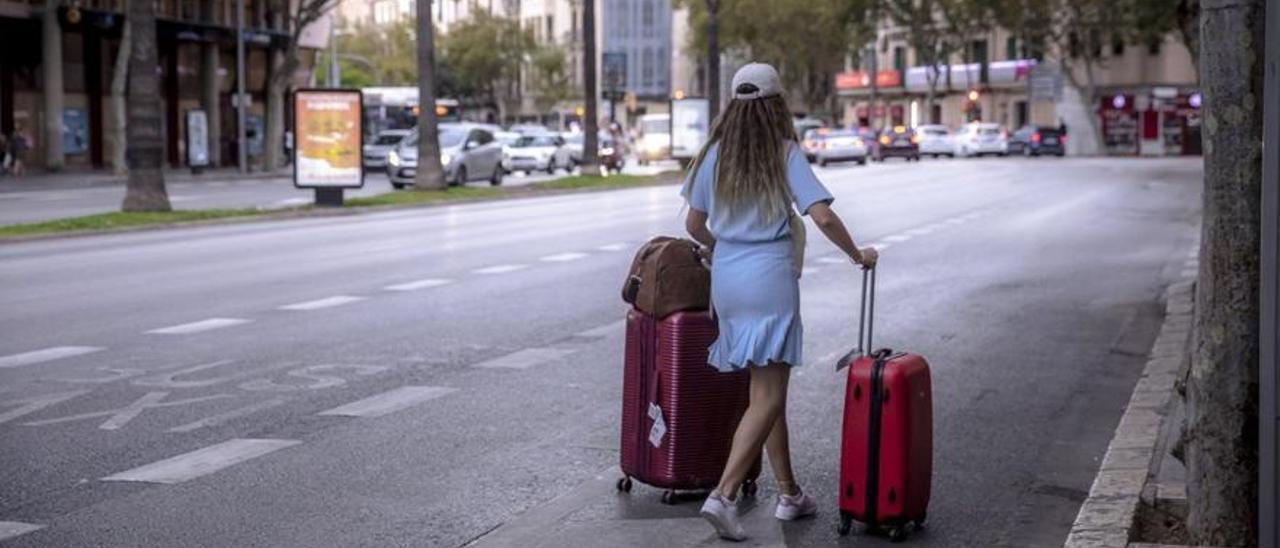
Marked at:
<point>659,429</point>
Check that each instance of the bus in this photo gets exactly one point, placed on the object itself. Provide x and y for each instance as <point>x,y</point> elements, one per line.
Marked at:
<point>397,108</point>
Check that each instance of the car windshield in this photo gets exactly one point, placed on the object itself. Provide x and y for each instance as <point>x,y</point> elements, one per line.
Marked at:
<point>539,141</point>
<point>838,133</point>
<point>935,131</point>
<point>656,126</point>
<point>388,139</point>
<point>452,137</point>
<point>988,131</point>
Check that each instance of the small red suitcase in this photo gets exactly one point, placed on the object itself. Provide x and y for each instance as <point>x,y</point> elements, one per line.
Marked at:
<point>678,413</point>
<point>886,454</point>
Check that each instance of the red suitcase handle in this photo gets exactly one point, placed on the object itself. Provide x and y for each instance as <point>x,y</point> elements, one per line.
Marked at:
<point>866,322</point>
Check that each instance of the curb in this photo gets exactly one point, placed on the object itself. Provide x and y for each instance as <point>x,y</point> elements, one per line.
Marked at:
<point>515,193</point>
<point>1106,519</point>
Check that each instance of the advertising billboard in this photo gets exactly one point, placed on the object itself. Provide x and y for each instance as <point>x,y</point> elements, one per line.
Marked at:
<point>328,137</point>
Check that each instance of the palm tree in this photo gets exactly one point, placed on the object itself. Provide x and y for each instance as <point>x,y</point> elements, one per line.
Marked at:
<point>430,174</point>
<point>145,190</point>
<point>590,162</point>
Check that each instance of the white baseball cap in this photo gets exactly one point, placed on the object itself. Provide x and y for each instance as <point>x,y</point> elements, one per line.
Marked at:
<point>756,81</point>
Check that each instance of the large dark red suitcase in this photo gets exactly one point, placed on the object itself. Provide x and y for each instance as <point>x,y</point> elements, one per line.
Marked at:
<point>678,413</point>
<point>886,453</point>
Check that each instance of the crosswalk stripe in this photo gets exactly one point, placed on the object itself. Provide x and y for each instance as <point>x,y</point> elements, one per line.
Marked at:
<point>420,284</point>
<point>500,269</point>
<point>563,257</point>
<point>197,327</point>
<point>612,247</point>
<point>327,302</point>
<point>525,359</point>
<point>390,401</point>
<point>603,331</point>
<point>203,461</point>
<point>45,355</point>
<point>897,238</point>
<point>10,529</point>
<point>833,260</point>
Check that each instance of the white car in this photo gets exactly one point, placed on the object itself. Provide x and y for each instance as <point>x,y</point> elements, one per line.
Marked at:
<point>654,142</point>
<point>468,152</point>
<point>834,145</point>
<point>977,139</point>
<point>532,153</point>
<point>936,140</point>
<point>375,153</point>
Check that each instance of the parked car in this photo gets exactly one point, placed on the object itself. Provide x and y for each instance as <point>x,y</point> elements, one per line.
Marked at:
<point>525,129</point>
<point>537,153</point>
<point>900,141</point>
<point>936,140</point>
<point>375,153</point>
<point>804,125</point>
<point>834,145</point>
<point>654,140</point>
<point>507,138</point>
<point>1037,140</point>
<point>468,153</point>
<point>977,139</point>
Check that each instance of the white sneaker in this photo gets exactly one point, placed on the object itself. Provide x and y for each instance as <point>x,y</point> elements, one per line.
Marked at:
<point>722,513</point>
<point>795,507</point>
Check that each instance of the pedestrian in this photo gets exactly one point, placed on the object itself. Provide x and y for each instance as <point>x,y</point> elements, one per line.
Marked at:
<point>4,155</point>
<point>17,147</point>
<point>740,193</point>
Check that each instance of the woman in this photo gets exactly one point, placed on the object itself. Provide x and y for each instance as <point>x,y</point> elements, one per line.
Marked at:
<point>740,192</point>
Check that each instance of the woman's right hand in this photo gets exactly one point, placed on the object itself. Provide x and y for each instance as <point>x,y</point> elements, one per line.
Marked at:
<point>867,257</point>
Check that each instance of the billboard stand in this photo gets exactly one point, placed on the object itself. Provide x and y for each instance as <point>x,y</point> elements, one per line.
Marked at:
<point>197,141</point>
<point>328,197</point>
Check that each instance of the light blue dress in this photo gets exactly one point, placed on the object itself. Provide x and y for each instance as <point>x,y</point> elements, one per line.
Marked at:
<point>754,288</point>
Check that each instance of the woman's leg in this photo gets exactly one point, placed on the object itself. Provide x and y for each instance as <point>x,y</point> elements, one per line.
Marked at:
<point>768,400</point>
<point>779,448</point>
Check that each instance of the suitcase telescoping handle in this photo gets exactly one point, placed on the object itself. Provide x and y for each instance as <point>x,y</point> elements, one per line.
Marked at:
<point>866,319</point>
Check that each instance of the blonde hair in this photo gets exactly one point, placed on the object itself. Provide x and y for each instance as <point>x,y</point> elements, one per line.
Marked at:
<point>754,136</point>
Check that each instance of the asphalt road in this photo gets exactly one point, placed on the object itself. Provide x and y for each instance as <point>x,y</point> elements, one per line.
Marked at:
<point>25,200</point>
<point>434,377</point>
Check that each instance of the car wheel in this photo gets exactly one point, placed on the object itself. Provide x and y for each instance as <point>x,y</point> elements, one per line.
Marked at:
<point>822,162</point>
<point>398,186</point>
<point>551,166</point>
<point>496,178</point>
<point>862,161</point>
<point>462,176</point>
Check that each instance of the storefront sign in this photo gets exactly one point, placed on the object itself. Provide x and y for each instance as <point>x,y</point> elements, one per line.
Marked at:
<point>329,138</point>
<point>967,76</point>
<point>197,138</point>
<point>858,79</point>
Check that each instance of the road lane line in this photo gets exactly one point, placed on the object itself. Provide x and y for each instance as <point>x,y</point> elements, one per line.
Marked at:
<point>897,238</point>
<point>880,246</point>
<point>10,529</point>
<point>229,415</point>
<point>922,231</point>
<point>810,270</point>
<point>390,401</point>
<point>420,284</point>
<point>45,355</point>
<point>202,462</point>
<point>327,302</point>
<point>563,257</point>
<point>501,269</point>
<point>525,359</point>
<point>833,260</point>
<point>197,327</point>
<point>603,331</point>
<point>613,247</point>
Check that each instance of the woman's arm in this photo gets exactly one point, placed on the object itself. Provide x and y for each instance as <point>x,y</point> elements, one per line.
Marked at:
<point>696,223</point>
<point>833,228</point>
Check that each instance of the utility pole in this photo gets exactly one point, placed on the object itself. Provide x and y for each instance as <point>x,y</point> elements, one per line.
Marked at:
<point>590,141</point>
<point>713,59</point>
<point>242,154</point>
<point>1269,363</point>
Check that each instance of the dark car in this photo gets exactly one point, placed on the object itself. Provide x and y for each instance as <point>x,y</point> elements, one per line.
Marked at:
<point>1037,140</point>
<point>900,141</point>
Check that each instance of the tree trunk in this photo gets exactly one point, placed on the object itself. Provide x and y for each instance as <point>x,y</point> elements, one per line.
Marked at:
<point>119,78</point>
<point>430,175</point>
<point>590,159</point>
<point>283,65</point>
<point>713,59</point>
<point>1222,388</point>
<point>209,90</point>
<point>51,72</point>
<point>145,190</point>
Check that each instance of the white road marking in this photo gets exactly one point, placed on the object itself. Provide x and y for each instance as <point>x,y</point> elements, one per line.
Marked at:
<point>880,246</point>
<point>613,247</point>
<point>922,231</point>
<point>833,260</point>
<point>27,406</point>
<point>233,414</point>
<point>810,270</point>
<point>121,417</point>
<point>525,359</point>
<point>420,284</point>
<point>897,238</point>
<point>327,302</point>
<point>563,257</point>
<point>955,221</point>
<point>287,202</point>
<point>10,529</point>
<point>45,355</point>
<point>501,269</point>
<point>390,401</point>
<point>202,461</point>
<point>197,327</point>
<point>604,330</point>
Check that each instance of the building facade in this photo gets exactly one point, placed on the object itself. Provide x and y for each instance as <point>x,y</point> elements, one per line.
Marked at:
<point>637,36</point>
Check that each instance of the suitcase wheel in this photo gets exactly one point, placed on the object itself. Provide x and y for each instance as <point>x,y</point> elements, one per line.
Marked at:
<point>846,524</point>
<point>670,497</point>
<point>624,484</point>
<point>897,533</point>
<point>750,488</point>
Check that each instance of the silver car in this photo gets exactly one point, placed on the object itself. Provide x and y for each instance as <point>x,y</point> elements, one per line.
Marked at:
<point>468,153</point>
<point>836,145</point>
<point>375,153</point>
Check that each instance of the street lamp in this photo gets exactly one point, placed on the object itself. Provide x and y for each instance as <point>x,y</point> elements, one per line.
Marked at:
<point>973,96</point>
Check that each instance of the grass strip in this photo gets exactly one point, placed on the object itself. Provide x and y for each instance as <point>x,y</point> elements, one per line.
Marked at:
<point>120,219</point>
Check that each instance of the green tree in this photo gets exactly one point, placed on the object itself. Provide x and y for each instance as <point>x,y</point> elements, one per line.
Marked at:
<point>485,54</point>
<point>375,56</point>
<point>549,72</point>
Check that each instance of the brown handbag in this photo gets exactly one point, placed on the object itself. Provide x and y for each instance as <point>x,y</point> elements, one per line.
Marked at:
<point>667,275</point>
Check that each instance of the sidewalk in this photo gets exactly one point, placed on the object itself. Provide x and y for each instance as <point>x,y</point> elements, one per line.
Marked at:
<point>85,178</point>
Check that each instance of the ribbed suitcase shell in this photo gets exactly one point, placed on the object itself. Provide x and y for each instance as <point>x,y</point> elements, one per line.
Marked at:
<point>906,441</point>
<point>700,406</point>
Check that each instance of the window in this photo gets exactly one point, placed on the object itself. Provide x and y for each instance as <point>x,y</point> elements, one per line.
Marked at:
<point>1011,48</point>
<point>647,18</point>
<point>899,58</point>
<point>1117,45</point>
<point>1153,45</point>
<point>1095,43</point>
<point>550,35</point>
<point>978,52</point>
<point>646,68</point>
<point>1073,44</point>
